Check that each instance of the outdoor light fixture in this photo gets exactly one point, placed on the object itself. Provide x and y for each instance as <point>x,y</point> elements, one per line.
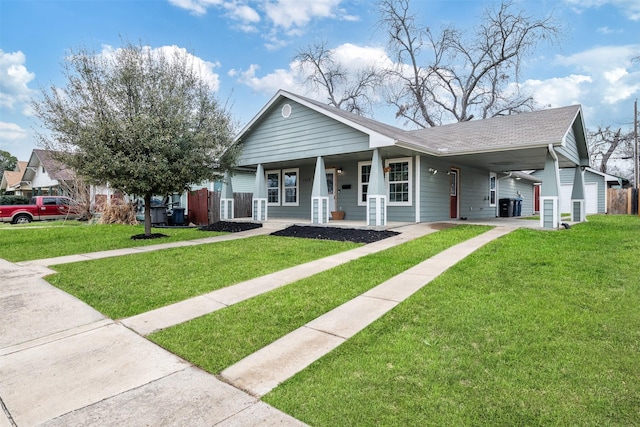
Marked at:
<point>433,171</point>
<point>339,171</point>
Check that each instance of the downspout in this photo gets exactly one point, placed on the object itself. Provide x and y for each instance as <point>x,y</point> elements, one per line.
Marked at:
<point>554,156</point>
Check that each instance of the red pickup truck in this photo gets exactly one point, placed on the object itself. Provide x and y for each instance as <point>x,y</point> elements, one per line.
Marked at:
<point>41,208</point>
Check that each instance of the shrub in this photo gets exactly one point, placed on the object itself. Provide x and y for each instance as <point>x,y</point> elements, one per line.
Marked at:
<point>119,212</point>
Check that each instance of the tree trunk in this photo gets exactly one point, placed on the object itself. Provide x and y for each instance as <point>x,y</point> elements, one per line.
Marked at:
<point>147,214</point>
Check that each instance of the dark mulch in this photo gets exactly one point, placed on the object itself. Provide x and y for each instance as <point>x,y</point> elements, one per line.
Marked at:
<point>230,227</point>
<point>150,236</point>
<point>335,233</point>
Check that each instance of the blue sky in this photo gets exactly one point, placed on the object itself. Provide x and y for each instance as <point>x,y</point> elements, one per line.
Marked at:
<point>247,48</point>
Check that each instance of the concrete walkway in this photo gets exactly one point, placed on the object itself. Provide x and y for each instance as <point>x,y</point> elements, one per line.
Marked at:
<point>63,363</point>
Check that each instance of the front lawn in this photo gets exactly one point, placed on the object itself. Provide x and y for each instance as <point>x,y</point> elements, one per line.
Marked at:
<point>219,339</point>
<point>128,285</point>
<point>58,238</point>
<point>536,328</point>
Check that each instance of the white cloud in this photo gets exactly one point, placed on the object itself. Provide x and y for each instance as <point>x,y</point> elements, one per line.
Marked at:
<point>351,56</point>
<point>298,13</point>
<point>279,17</point>
<point>12,132</point>
<point>631,8</point>
<point>14,80</point>
<point>559,91</point>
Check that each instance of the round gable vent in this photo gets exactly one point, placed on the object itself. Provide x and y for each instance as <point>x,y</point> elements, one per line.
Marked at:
<point>286,110</point>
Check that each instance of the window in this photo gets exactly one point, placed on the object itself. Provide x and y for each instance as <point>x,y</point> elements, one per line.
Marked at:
<point>290,178</point>
<point>492,188</point>
<point>364,174</point>
<point>399,184</point>
<point>273,188</point>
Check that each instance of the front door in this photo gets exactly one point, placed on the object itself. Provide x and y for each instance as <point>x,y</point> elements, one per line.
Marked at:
<point>453,193</point>
<point>331,186</point>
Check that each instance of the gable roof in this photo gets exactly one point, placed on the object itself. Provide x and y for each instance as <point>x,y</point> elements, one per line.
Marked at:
<point>54,168</point>
<point>12,179</point>
<point>517,142</point>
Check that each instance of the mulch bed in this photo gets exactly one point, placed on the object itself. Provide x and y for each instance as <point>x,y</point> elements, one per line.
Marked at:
<point>308,232</point>
<point>230,227</point>
<point>335,233</point>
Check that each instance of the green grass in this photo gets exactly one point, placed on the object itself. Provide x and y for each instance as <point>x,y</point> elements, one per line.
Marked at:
<point>536,328</point>
<point>53,239</point>
<point>128,285</point>
<point>222,338</point>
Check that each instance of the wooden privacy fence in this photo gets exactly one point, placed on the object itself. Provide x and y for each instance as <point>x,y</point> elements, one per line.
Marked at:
<point>623,201</point>
<point>204,206</point>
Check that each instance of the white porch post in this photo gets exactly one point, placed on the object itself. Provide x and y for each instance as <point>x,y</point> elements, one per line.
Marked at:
<point>376,193</point>
<point>320,195</point>
<point>550,192</point>
<point>578,199</point>
<point>259,200</point>
<point>226,198</point>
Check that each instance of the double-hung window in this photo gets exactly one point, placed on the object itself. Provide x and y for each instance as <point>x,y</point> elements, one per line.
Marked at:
<point>399,181</point>
<point>364,174</point>
<point>273,187</point>
<point>291,187</point>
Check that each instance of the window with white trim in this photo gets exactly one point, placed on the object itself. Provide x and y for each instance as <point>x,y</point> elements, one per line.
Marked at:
<point>291,187</point>
<point>399,181</point>
<point>273,188</point>
<point>364,175</point>
<point>493,188</point>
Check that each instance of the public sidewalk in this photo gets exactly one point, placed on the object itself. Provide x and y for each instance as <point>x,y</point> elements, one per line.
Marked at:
<point>63,363</point>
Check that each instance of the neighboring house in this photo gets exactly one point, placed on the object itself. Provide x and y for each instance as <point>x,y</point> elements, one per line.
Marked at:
<point>311,158</point>
<point>12,182</point>
<point>45,174</point>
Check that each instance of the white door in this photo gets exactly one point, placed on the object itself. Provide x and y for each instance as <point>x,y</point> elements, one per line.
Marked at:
<point>332,186</point>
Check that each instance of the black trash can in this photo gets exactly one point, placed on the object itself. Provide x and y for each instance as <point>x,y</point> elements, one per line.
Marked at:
<point>517,207</point>
<point>158,215</point>
<point>506,207</point>
<point>178,216</point>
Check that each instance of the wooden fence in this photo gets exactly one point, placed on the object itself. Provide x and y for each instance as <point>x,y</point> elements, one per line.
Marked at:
<point>623,201</point>
<point>204,206</point>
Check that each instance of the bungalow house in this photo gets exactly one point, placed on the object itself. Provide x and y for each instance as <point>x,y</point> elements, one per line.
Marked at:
<point>311,159</point>
<point>12,182</point>
<point>45,174</point>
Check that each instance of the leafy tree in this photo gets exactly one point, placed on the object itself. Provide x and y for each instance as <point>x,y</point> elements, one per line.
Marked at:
<point>7,162</point>
<point>145,121</point>
<point>350,90</point>
<point>457,75</point>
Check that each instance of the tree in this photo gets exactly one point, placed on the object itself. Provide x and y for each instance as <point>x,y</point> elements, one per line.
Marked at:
<point>7,162</point>
<point>453,75</point>
<point>350,90</point>
<point>606,144</point>
<point>145,121</point>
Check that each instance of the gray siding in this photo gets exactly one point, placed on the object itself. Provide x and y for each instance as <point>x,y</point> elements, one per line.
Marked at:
<point>509,188</point>
<point>570,150</point>
<point>434,190</point>
<point>567,176</point>
<point>474,189</point>
<point>548,214</point>
<point>304,134</point>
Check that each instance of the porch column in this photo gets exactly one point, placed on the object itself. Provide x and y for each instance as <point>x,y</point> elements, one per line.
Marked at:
<point>550,192</point>
<point>226,198</point>
<point>376,193</point>
<point>578,199</point>
<point>320,195</point>
<point>259,200</point>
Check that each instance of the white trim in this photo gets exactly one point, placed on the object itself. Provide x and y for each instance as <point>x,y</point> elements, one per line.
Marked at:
<point>360,183</point>
<point>583,207</point>
<point>556,208</point>
<point>417,189</point>
<point>257,209</point>
<point>273,172</point>
<point>226,209</point>
<point>495,190</point>
<point>409,181</point>
<point>284,187</point>
<point>322,214</point>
